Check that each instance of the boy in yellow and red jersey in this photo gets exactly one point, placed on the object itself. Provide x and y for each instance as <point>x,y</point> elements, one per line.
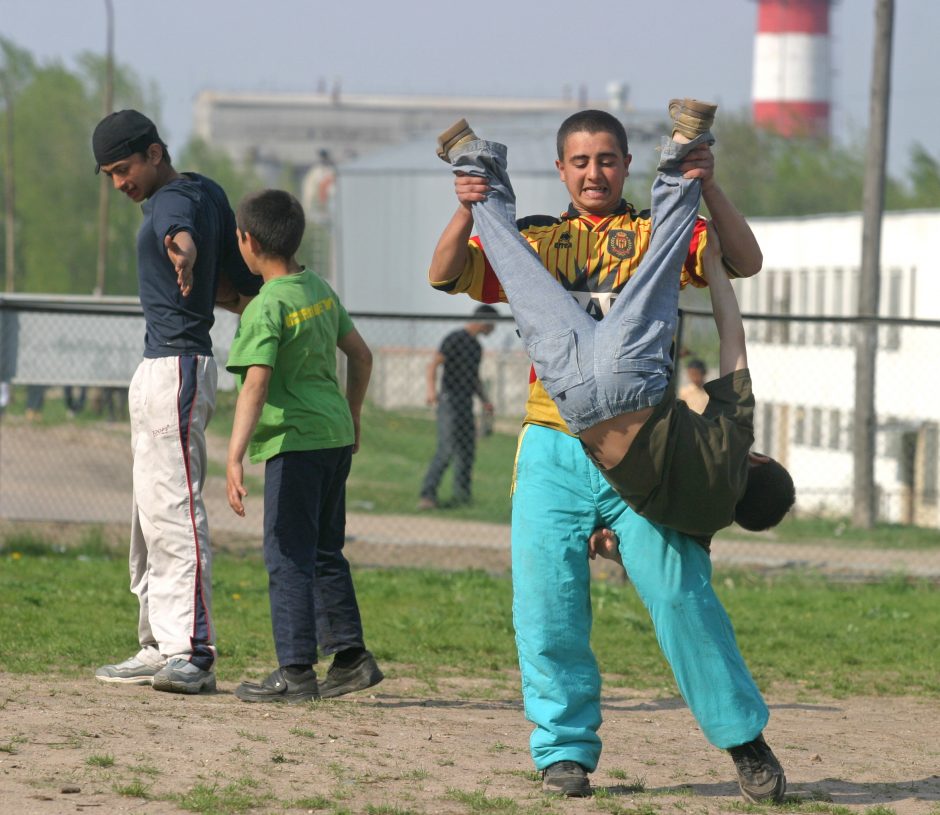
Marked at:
<point>560,498</point>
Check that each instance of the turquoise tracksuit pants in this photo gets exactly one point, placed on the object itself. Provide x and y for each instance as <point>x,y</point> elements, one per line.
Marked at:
<point>559,498</point>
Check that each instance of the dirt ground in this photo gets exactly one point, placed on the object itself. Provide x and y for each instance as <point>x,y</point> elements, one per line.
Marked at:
<point>457,747</point>
<point>454,746</point>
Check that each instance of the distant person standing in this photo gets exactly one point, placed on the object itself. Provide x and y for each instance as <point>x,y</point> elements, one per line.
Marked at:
<point>186,247</point>
<point>693,391</point>
<point>460,354</point>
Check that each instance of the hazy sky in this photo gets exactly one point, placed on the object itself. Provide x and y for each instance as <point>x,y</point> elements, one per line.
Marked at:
<point>510,48</point>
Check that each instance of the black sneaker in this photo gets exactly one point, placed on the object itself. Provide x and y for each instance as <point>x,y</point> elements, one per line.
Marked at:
<point>566,778</point>
<point>362,674</point>
<point>278,687</point>
<point>760,775</point>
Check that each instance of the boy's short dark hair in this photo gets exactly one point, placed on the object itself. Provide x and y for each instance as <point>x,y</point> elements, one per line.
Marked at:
<point>592,121</point>
<point>485,311</point>
<point>769,496</point>
<point>698,365</point>
<point>275,219</point>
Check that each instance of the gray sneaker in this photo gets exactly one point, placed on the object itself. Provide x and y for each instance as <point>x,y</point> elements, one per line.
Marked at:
<point>129,672</point>
<point>179,675</point>
<point>362,674</point>
<point>760,775</point>
<point>566,778</point>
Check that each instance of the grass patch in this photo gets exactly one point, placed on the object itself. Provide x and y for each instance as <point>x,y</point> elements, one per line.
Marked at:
<point>11,745</point>
<point>299,731</point>
<point>135,789</point>
<point>106,760</point>
<point>403,443</point>
<point>68,613</point>
<point>313,802</point>
<point>211,799</point>
<point>477,801</point>
<point>840,532</point>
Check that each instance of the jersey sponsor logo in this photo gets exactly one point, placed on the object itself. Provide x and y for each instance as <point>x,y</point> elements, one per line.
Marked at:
<point>621,243</point>
<point>564,241</point>
<point>308,312</point>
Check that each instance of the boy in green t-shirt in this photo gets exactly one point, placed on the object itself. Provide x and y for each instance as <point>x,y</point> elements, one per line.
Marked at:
<point>292,415</point>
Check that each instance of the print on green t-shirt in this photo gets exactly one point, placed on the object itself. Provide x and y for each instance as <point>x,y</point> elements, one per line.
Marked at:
<point>292,327</point>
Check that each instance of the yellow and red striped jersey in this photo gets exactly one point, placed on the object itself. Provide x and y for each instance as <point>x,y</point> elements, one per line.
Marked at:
<point>591,256</point>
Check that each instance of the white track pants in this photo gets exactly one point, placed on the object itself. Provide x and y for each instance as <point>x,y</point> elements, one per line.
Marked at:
<point>171,400</point>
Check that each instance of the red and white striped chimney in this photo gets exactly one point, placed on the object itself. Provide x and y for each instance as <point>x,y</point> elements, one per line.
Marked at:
<point>792,67</point>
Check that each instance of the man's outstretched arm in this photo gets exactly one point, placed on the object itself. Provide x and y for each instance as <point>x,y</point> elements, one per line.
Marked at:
<point>732,354</point>
<point>740,248</point>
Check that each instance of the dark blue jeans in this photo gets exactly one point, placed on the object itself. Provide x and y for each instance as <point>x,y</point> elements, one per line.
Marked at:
<point>313,601</point>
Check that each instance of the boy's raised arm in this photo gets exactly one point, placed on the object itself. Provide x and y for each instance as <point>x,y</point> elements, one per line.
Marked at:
<point>732,349</point>
<point>450,254</point>
<point>358,371</point>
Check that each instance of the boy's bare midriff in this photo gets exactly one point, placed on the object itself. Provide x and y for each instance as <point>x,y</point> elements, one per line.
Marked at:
<point>608,441</point>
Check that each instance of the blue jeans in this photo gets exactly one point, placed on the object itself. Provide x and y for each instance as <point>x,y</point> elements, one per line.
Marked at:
<point>559,498</point>
<point>592,370</point>
<point>313,601</point>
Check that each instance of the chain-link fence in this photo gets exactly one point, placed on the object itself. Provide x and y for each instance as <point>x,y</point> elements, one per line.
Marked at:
<point>445,405</point>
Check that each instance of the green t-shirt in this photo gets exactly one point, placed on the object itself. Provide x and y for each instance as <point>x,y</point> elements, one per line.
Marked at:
<point>292,327</point>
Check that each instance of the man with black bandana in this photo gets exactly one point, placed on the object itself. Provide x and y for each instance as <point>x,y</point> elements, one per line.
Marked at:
<point>187,255</point>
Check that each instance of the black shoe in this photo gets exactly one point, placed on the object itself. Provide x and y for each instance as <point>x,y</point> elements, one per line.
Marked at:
<point>362,674</point>
<point>279,688</point>
<point>566,778</point>
<point>760,775</point>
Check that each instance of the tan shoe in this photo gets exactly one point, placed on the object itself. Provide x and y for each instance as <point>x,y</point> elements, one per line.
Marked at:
<point>457,134</point>
<point>690,117</point>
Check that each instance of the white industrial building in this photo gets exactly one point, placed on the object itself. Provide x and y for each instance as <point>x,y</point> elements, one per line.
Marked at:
<point>804,372</point>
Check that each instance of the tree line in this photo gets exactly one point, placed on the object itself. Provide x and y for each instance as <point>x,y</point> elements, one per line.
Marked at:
<point>49,194</point>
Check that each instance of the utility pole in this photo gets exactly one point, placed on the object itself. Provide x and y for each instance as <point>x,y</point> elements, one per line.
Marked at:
<point>104,197</point>
<point>9,195</point>
<point>9,188</point>
<point>864,512</point>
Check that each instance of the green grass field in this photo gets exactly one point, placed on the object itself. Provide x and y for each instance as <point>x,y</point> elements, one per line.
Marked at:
<point>68,611</point>
<point>398,445</point>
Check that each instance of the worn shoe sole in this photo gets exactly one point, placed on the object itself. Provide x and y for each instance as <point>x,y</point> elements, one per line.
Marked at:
<point>125,680</point>
<point>691,117</point>
<point>458,133</point>
<point>249,694</point>
<point>569,790</point>
<point>775,795</point>
<point>572,788</point>
<point>205,684</point>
